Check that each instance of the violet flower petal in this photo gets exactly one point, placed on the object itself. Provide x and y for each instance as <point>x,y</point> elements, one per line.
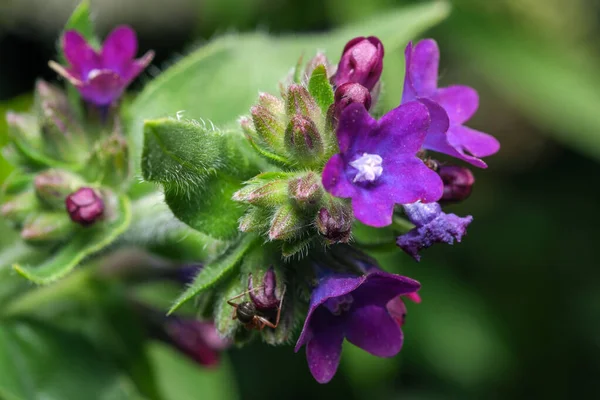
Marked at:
<point>422,63</point>
<point>102,87</point>
<point>335,180</point>
<point>472,141</point>
<point>80,55</point>
<point>460,102</point>
<point>380,287</point>
<point>119,49</point>
<point>354,128</point>
<point>373,329</point>
<point>324,349</point>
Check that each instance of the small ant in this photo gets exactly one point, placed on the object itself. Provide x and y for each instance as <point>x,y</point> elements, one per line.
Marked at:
<point>250,315</point>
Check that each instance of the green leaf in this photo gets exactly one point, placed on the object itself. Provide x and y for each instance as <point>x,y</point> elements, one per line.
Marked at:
<point>83,244</point>
<point>200,170</point>
<point>230,71</point>
<point>81,21</point>
<point>180,379</point>
<point>38,361</point>
<point>320,88</point>
<point>212,273</point>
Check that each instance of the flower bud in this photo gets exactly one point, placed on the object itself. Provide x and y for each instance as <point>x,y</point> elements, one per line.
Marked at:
<point>19,207</point>
<point>269,127</point>
<point>305,190</point>
<point>349,93</point>
<point>46,227</point>
<point>24,127</point>
<point>303,140</point>
<point>299,101</point>
<point>458,183</point>
<point>198,340</point>
<point>247,126</point>
<point>361,62</point>
<point>84,206</point>
<point>265,297</point>
<point>53,185</point>
<point>318,59</point>
<point>109,163</point>
<point>256,219</point>
<point>274,104</point>
<point>334,222</point>
<point>263,193</point>
<point>286,223</point>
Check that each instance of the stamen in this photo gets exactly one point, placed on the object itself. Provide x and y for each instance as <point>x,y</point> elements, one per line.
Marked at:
<point>368,166</point>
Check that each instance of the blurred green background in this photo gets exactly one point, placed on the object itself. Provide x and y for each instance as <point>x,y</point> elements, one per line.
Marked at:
<point>514,310</point>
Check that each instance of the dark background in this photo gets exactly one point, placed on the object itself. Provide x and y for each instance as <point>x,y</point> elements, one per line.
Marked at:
<point>514,310</point>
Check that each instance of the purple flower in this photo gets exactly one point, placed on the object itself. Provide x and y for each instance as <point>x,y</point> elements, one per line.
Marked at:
<point>431,226</point>
<point>458,103</point>
<point>361,62</point>
<point>101,77</point>
<point>84,206</point>
<point>377,165</point>
<point>397,308</point>
<point>266,297</point>
<point>350,93</point>
<point>458,182</point>
<point>353,307</point>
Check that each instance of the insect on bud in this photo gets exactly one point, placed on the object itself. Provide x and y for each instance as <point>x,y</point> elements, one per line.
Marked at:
<point>303,140</point>
<point>84,206</point>
<point>350,93</point>
<point>269,127</point>
<point>458,183</point>
<point>264,297</point>
<point>361,62</point>
<point>305,190</point>
<point>54,185</point>
<point>335,223</point>
<point>46,227</point>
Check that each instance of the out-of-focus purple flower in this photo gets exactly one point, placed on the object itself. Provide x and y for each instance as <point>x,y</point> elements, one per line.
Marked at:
<point>432,225</point>
<point>458,103</point>
<point>350,93</point>
<point>397,308</point>
<point>353,307</point>
<point>101,77</point>
<point>458,182</point>
<point>84,206</point>
<point>266,297</point>
<point>377,165</point>
<point>361,62</point>
<point>198,340</point>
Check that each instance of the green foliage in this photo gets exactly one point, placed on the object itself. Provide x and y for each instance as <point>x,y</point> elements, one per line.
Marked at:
<point>212,273</point>
<point>320,88</point>
<point>220,81</point>
<point>84,243</point>
<point>200,170</point>
<point>39,361</point>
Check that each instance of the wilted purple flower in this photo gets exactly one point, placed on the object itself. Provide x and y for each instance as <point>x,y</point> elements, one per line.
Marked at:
<point>84,206</point>
<point>266,297</point>
<point>350,93</point>
<point>353,307</point>
<point>458,182</point>
<point>459,103</point>
<point>361,62</point>
<point>199,340</point>
<point>101,77</point>
<point>377,165</point>
<point>432,225</point>
<point>397,308</point>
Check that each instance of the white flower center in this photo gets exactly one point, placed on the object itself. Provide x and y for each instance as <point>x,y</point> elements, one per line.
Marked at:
<point>368,166</point>
<point>94,73</point>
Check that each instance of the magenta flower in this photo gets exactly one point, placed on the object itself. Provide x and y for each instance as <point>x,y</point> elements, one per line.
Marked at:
<point>361,62</point>
<point>101,77</point>
<point>198,340</point>
<point>84,206</point>
<point>431,226</point>
<point>266,297</point>
<point>458,183</point>
<point>353,307</point>
<point>459,103</point>
<point>397,308</point>
<point>377,166</point>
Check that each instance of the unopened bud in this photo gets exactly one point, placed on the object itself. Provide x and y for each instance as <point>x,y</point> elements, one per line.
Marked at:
<point>263,293</point>
<point>286,223</point>
<point>24,127</point>
<point>299,101</point>
<point>269,127</point>
<point>54,185</point>
<point>110,162</point>
<point>85,206</point>
<point>350,93</point>
<point>256,219</point>
<point>458,183</point>
<point>335,223</point>
<point>272,103</point>
<point>46,227</point>
<point>305,190</point>
<point>318,59</point>
<point>263,193</point>
<point>361,62</point>
<point>247,126</point>
<point>303,140</point>
<point>20,207</point>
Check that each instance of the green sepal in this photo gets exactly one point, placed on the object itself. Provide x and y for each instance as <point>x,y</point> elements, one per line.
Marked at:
<point>85,242</point>
<point>200,170</point>
<point>223,312</point>
<point>217,270</point>
<point>320,88</point>
<point>47,228</point>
